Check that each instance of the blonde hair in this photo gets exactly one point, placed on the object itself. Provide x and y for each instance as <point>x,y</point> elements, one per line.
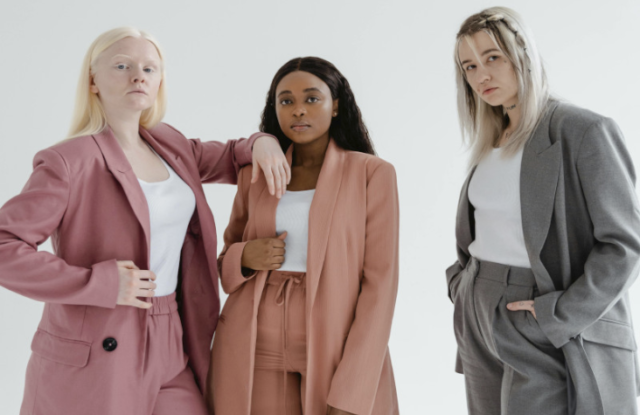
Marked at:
<point>482,124</point>
<point>88,115</point>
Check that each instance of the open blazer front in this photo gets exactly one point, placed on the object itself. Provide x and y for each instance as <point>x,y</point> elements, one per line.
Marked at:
<point>84,194</point>
<point>352,281</point>
<point>581,223</point>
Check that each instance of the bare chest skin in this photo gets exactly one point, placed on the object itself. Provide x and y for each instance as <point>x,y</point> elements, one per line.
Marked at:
<point>146,164</point>
<point>304,177</point>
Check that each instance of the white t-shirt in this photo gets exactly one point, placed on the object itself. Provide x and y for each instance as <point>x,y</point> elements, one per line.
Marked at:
<point>171,205</point>
<point>494,192</point>
<point>292,215</point>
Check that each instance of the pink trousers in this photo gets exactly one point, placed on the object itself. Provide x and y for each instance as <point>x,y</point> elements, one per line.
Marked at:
<point>281,358</point>
<point>168,384</point>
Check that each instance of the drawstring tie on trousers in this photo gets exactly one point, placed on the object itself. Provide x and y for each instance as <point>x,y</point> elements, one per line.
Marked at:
<point>282,299</point>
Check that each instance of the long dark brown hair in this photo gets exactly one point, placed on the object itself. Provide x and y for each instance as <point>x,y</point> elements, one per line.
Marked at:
<point>347,128</point>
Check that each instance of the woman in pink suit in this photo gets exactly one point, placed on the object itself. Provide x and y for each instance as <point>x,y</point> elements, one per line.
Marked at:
<point>132,291</point>
<point>308,333</point>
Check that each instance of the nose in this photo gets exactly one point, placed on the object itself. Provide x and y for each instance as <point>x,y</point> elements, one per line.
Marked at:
<point>482,75</point>
<point>138,76</point>
<point>299,111</point>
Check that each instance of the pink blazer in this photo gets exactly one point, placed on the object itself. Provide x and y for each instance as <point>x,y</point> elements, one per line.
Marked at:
<point>352,280</point>
<point>84,194</point>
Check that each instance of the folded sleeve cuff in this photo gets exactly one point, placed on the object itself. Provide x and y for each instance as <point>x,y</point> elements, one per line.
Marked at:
<point>106,277</point>
<point>554,329</point>
<point>231,272</point>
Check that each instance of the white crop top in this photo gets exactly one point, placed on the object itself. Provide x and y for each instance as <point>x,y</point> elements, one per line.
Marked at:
<point>494,192</point>
<point>171,205</point>
<point>292,215</point>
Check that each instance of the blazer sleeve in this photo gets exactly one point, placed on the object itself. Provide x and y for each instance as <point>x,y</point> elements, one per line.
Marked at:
<point>355,382</point>
<point>220,162</point>
<point>607,179</point>
<point>26,221</point>
<point>230,259</point>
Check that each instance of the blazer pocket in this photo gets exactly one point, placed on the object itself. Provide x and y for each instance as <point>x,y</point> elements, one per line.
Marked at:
<point>60,350</point>
<point>611,333</point>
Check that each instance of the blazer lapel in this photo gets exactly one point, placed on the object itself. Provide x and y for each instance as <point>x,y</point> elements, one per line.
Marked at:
<point>119,166</point>
<point>266,206</point>
<point>172,158</point>
<point>539,175</point>
<point>464,231</point>
<point>320,215</point>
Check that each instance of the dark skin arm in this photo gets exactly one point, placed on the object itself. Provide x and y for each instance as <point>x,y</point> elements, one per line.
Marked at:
<point>264,254</point>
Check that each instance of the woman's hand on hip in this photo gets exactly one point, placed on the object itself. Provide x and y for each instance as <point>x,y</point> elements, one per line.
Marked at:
<point>264,254</point>
<point>135,283</point>
<point>333,411</point>
<point>523,305</point>
<point>268,155</point>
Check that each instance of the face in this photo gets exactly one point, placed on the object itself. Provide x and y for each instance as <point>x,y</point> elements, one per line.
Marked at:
<point>127,76</point>
<point>488,71</point>
<point>304,107</point>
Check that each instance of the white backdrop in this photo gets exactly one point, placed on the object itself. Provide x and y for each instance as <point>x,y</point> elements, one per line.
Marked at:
<point>221,57</point>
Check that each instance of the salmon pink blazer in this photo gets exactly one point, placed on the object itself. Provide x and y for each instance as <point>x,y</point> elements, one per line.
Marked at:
<point>84,194</point>
<point>352,281</point>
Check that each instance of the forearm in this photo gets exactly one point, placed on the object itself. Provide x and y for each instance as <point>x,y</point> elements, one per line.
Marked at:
<point>45,277</point>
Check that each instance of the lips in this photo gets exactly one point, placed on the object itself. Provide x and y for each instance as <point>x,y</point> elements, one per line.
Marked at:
<point>489,90</point>
<point>300,127</point>
<point>137,91</point>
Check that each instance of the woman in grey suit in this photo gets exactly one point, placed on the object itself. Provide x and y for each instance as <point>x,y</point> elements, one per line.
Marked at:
<point>548,238</point>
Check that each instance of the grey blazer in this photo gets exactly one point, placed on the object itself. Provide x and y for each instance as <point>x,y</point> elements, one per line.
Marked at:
<point>581,223</point>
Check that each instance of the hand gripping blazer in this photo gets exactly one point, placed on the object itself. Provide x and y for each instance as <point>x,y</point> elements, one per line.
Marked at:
<point>83,193</point>
<point>581,222</point>
<point>352,279</point>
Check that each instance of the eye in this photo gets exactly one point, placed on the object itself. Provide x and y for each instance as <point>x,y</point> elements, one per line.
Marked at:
<point>149,70</point>
<point>121,66</point>
<point>492,58</point>
<point>285,102</point>
<point>313,99</point>
<point>470,67</point>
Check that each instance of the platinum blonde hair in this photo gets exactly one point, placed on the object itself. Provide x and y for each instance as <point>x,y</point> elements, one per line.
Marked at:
<point>482,124</point>
<point>88,115</point>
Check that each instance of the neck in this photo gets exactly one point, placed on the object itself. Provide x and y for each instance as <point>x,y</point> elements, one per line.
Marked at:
<point>125,127</point>
<point>513,111</point>
<point>310,154</point>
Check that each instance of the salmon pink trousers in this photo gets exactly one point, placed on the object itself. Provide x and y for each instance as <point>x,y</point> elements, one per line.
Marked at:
<point>280,375</point>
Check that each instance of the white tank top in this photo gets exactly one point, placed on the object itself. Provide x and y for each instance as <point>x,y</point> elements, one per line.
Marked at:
<point>292,215</point>
<point>494,192</point>
<point>171,205</point>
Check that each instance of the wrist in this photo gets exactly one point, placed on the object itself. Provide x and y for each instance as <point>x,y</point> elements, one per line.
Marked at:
<point>258,137</point>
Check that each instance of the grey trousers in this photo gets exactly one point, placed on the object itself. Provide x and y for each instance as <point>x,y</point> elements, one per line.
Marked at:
<point>510,367</point>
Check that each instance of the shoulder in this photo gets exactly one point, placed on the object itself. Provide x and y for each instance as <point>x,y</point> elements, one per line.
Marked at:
<point>372,165</point>
<point>165,131</point>
<point>574,125</point>
<point>244,175</point>
<point>71,151</point>
<point>572,120</point>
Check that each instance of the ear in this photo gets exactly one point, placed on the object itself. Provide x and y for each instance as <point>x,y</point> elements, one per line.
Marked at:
<point>335,106</point>
<point>93,87</point>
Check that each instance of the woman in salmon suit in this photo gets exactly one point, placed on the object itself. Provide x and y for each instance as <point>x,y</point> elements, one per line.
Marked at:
<point>308,333</point>
<point>131,293</point>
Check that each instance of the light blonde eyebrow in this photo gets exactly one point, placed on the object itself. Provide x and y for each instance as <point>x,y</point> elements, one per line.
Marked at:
<point>482,54</point>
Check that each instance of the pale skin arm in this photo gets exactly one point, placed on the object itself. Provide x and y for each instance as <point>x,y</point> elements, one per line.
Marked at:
<point>268,155</point>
